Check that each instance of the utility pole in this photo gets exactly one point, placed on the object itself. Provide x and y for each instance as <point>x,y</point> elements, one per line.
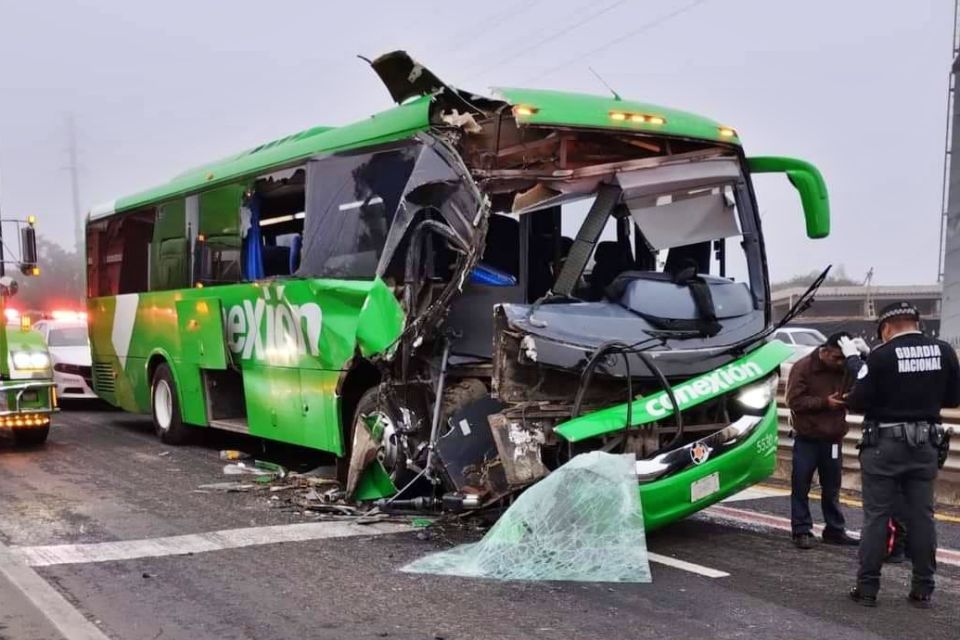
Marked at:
<point>74,168</point>
<point>948,142</point>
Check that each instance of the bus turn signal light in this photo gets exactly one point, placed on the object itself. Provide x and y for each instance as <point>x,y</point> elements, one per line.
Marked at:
<point>524,110</point>
<point>727,132</point>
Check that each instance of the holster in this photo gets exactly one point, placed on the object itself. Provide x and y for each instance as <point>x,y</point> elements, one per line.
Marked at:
<point>940,438</point>
<point>869,435</point>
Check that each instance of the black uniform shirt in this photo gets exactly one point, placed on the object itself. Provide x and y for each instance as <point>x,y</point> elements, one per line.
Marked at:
<point>909,378</point>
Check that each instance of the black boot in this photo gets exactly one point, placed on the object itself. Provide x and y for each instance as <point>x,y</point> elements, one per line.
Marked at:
<point>861,598</point>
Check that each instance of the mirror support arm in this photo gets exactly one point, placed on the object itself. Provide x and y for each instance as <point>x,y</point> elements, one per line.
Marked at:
<point>807,180</point>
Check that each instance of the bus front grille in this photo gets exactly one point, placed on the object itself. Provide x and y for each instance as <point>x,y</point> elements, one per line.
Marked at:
<point>104,378</point>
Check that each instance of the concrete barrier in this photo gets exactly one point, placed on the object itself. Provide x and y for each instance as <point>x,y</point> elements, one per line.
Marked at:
<point>948,484</point>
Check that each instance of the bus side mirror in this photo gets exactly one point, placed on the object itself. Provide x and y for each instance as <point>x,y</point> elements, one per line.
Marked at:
<point>28,250</point>
<point>807,180</point>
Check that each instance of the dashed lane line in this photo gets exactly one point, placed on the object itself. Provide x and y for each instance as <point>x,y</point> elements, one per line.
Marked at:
<point>46,556</point>
<point>683,565</point>
<point>71,624</point>
<point>733,515</point>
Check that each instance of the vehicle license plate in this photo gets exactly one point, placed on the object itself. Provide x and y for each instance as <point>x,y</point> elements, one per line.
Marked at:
<point>705,486</point>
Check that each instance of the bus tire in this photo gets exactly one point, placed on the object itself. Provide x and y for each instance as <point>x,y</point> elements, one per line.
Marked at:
<point>390,453</point>
<point>32,437</point>
<point>165,408</point>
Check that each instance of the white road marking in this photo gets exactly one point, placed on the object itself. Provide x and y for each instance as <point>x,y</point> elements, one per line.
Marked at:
<point>757,492</point>
<point>71,624</point>
<point>755,519</point>
<point>199,542</point>
<point>683,565</point>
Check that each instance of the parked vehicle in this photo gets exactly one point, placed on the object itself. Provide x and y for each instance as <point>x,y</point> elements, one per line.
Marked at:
<point>418,294</point>
<point>69,348</point>
<point>27,394</point>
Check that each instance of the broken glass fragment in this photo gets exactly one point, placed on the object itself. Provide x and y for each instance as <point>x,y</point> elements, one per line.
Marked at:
<point>582,523</point>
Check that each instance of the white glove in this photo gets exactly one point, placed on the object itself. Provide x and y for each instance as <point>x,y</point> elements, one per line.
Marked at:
<point>862,347</point>
<point>848,347</point>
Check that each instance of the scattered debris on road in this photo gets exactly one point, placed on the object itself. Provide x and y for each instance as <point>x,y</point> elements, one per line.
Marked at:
<point>230,455</point>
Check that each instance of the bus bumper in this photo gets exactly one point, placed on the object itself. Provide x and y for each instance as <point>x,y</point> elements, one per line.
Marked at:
<point>26,403</point>
<point>680,494</point>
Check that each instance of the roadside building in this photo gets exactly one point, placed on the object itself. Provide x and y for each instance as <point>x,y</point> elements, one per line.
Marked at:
<point>854,308</point>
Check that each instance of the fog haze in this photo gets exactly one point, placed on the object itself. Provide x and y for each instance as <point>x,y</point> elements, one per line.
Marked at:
<point>858,88</point>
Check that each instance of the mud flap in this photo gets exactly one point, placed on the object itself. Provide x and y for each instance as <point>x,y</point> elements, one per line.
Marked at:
<point>375,483</point>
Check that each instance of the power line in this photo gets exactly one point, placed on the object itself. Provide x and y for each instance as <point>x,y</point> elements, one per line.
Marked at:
<point>550,38</point>
<point>491,19</point>
<point>647,26</point>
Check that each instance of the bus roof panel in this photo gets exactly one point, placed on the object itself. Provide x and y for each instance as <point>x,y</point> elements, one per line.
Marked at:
<point>560,108</point>
<point>393,124</point>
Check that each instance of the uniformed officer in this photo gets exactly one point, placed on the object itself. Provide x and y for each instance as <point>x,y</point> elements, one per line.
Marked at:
<point>900,390</point>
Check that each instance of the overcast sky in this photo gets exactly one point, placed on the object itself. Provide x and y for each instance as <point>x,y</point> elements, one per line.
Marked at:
<point>857,87</point>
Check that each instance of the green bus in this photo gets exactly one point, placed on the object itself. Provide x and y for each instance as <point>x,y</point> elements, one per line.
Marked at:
<point>458,294</point>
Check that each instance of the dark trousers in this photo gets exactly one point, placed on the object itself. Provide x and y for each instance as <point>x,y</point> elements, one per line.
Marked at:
<point>811,455</point>
<point>893,471</point>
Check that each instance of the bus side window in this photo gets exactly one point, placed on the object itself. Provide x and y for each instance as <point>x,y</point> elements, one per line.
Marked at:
<point>169,251</point>
<point>119,259</point>
<point>217,259</point>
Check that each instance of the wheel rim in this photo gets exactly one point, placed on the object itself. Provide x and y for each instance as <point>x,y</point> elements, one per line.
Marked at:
<point>390,450</point>
<point>163,404</point>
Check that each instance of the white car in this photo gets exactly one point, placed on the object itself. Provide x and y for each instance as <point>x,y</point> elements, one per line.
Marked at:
<point>69,349</point>
<point>803,340</point>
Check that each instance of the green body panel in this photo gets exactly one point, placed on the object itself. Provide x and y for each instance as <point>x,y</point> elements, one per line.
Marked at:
<point>375,483</point>
<point>750,368</point>
<point>807,180</point>
<point>393,124</point>
<point>750,462</point>
<point>200,323</point>
<point>290,339</point>
<point>584,110</point>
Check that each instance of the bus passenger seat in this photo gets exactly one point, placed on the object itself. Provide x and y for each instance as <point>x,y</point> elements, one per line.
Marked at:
<point>296,243</point>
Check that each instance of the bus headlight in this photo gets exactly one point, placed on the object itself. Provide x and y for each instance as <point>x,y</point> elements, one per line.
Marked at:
<point>758,396</point>
<point>30,360</point>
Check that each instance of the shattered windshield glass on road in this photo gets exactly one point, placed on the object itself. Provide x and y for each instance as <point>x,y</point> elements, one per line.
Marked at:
<point>582,523</point>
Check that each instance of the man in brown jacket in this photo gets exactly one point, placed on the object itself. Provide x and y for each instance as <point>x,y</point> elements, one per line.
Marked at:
<point>815,397</point>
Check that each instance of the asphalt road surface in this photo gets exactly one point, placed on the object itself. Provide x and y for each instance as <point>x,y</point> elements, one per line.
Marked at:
<point>104,533</point>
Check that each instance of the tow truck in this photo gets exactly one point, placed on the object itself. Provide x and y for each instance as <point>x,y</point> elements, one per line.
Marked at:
<point>27,393</point>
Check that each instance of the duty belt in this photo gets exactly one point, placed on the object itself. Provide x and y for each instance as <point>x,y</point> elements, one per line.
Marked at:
<point>915,433</point>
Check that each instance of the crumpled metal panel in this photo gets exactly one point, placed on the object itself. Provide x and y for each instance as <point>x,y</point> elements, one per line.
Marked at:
<point>581,523</point>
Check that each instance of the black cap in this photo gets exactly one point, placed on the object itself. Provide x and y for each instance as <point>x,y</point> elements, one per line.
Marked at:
<point>902,309</point>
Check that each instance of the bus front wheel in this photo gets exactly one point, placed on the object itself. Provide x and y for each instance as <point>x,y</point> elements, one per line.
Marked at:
<point>167,421</point>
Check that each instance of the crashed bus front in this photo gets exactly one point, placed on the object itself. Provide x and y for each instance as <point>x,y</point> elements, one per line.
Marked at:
<point>622,277</point>
<point>459,294</point>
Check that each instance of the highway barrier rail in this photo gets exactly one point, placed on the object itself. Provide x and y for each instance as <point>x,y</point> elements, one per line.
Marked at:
<point>948,483</point>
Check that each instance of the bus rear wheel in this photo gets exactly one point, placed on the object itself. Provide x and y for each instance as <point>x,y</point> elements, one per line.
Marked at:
<point>167,421</point>
<point>32,437</point>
